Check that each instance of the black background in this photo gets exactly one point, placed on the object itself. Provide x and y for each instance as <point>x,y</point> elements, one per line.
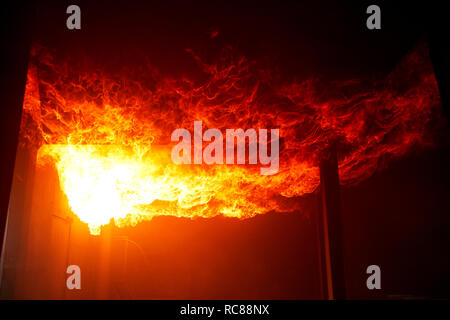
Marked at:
<point>398,219</point>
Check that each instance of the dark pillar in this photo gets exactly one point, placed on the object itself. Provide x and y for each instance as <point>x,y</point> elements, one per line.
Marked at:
<point>15,29</point>
<point>439,47</point>
<point>330,228</point>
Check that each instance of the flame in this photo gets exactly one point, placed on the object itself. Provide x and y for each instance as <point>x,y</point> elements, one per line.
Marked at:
<point>109,136</point>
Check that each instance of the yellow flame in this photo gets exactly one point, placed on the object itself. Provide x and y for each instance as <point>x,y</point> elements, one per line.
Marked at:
<point>104,182</point>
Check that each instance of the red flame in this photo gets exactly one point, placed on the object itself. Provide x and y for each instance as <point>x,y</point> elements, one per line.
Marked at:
<point>372,121</point>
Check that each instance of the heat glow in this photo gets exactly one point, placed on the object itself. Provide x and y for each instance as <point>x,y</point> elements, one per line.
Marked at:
<point>109,136</point>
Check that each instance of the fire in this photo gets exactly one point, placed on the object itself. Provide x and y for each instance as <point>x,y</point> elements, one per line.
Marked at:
<point>109,136</point>
<point>112,182</point>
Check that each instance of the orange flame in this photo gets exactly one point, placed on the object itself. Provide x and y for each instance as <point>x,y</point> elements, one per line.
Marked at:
<point>109,137</point>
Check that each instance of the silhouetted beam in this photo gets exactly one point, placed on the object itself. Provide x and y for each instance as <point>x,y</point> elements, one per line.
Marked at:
<point>331,227</point>
<point>439,47</point>
<point>16,17</point>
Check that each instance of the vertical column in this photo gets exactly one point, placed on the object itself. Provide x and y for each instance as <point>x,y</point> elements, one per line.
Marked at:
<point>15,21</point>
<point>330,227</point>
